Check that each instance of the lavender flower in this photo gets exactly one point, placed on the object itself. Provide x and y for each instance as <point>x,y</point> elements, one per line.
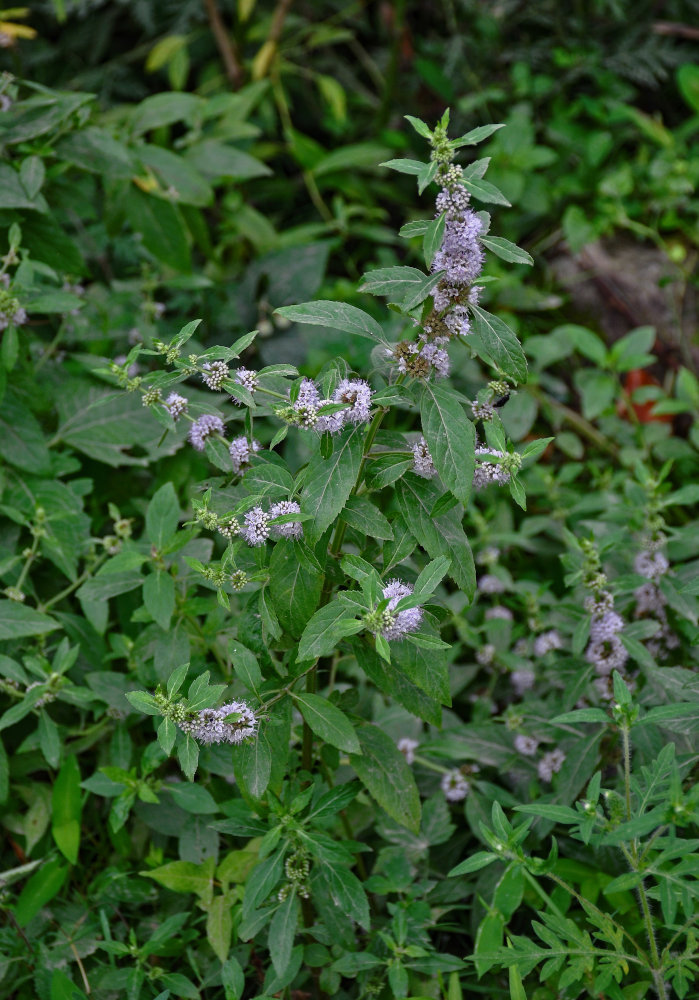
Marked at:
<point>239,450</point>
<point>487,472</point>
<point>247,378</point>
<point>604,627</point>
<point>649,600</point>
<point>460,254</point>
<point>232,723</point>
<point>546,642</point>
<point>522,681</point>
<point>398,623</point>
<point>526,745</point>
<point>422,460</point>
<point>600,603</point>
<point>490,584</point>
<point>482,411</point>
<point>607,656</point>
<point>550,764</point>
<point>652,565</point>
<point>176,405</point>
<point>485,655</point>
<point>499,611</point>
<point>292,529</point>
<point>203,427</point>
<point>255,531</point>
<point>408,747</point>
<point>455,786</point>
<point>358,394</point>
<point>214,374</point>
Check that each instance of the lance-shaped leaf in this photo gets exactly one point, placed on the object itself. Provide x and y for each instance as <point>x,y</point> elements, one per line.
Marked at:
<point>450,438</point>
<point>336,315</point>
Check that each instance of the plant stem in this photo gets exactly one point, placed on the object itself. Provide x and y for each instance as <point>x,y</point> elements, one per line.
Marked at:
<point>627,768</point>
<point>542,892</point>
<point>73,586</point>
<point>30,559</point>
<point>229,57</point>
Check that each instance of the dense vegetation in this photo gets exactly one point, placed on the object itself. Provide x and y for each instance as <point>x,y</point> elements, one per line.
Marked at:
<point>348,537</point>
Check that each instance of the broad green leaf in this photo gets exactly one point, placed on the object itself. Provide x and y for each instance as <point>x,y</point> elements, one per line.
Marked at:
<point>185,876</point>
<point>360,513</point>
<point>39,890</point>
<point>22,441</point>
<point>473,864</point>
<point>559,814</point>
<point>159,597</point>
<point>432,240</point>
<point>245,665</point>
<point>294,588</point>
<point>167,732</point>
<point>582,715</point>
<point>328,722</point>
<point>282,932</point>
<point>323,632</point>
<point>393,281</point>
<point>488,937</point>
<point>252,763</point>
<point>192,798</point>
<point>143,702</point>
<point>219,926</point>
<point>96,150</point>
<point>162,516</point>
<point>188,755</point>
<point>347,893</point>
<point>485,191</point>
<point>161,226</point>
<point>418,294</point>
<point>475,136</point>
<point>66,809</point>
<point>336,315</point>
<point>386,776</point>
<point>329,481</point>
<point>404,166</point>
<point>450,438</point>
<point>499,343</point>
<point>506,250</point>
<point>17,620</point>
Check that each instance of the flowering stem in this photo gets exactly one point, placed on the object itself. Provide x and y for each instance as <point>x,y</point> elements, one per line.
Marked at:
<point>30,559</point>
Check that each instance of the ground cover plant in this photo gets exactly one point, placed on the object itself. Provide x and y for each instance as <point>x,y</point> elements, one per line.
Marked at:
<point>348,645</point>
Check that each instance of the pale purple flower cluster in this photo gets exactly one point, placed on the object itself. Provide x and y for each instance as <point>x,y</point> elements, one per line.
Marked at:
<point>404,621</point>
<point>461,254</point>
<point>214,374</point>
<point>498,611</point>
<point>522,681</point>
<point>422,460</point>
<point>486,654</point>
<point>176,405</point>
<point>455,786</point>
<point>652,565</point>
<point>526,745</point>
<point>355,393</point>
<point>16,316</point>
<point>408,747</point>
<point>429,352</point>
<point>256,528</point>
<point>606,652</point>
<point>213,725</point>
<point>482,411</point>
<point>487,472</point>
<point>490,584</point>
<point>292,529</point>
<point>247,378</point>
<point>550,764</point>
<point>239,450</point>
<point>203,427</point>
<point>546,642</point>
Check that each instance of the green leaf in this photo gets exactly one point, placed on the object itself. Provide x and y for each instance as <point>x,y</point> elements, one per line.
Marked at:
<point>450,438</point>
<point>159,597</point>
<point>161,225</point>
<point>485,191</point>
<point>432,240</point>
<point>177,679</point>
<point>282,932</point>
<point>219,926</point>
<point>667,713</point>
<point>582,715</point>
<point>22,441</point>
<point>347,893</point>
<point>475,136</point>
<point>12,192</point>
<point>39,890</point>
<point>185,876</point>
<point>473,864</point>
<point>96,150</point>
<point>386,776</point>
<point>488,939</point>
<point>328,722</point>
<point>293,587</point>
<point>63,988</point>
<point>66,809</point>
<point>167,731</point>
<point>336,316</point>
<point>499,343</point>
<point>360,513</point>
<point>393,281</point>
<point>323,632</point>
<point>252,764</point>
<point>162,516</point>
<point>143,702</point>
<point>188,754</point>
<point>192,798</point>
<point>17,620</point>
<point>506,250</point>
<point>245,665</point>
<point>558,814</point>
<point>404,166</point>
<point>420,127</point>
<point>329,481</point>
<point>418,294</point>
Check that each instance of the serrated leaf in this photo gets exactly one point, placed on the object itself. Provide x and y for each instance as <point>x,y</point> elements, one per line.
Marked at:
<point>500,343</point>
<point>506,250</point>
<point>475,136</point>
<point>386,776</point>
<point>329,481</point>
<point>450,438</point>
<point>336,315</point>
<point>328,722</point>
